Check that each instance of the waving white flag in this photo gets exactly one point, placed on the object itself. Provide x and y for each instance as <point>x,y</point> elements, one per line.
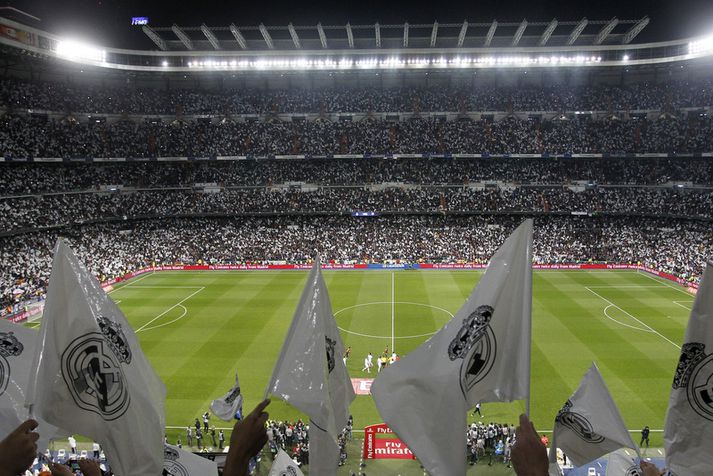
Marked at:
<point>621,464</point>
<point>481,355</point>
<point>310,374</point>
<point>178,462</point>
<point>688,433</point>
<point>229,405</point>
<point>589,424</point>
<point>284,466</point>
<point>91,376</point>
<point>17,350</point>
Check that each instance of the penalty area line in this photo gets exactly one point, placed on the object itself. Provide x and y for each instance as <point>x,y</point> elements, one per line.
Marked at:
<point>168,310</point>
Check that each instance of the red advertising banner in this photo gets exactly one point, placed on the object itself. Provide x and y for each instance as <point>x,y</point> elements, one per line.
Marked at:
<point>362,386</point>
<point>381,443</point>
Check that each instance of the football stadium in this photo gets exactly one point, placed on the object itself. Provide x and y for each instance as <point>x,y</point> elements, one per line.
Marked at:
<point>438,247</point>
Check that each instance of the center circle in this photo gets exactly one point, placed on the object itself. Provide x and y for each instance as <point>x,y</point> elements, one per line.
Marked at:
<point>379,303</point>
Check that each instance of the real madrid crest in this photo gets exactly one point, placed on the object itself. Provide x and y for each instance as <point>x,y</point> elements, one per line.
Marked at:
<point>171,466</point>
<point>10,346</point>
<point>289,471</point>
<point>91,368</point>
<point>475,345</point>
<point>578,423</point>
<point>695,373</point>
<point>634,470</point>
<point>330,343</point>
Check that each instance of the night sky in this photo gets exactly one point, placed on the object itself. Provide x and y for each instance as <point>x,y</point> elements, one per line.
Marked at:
<point>106,22</point>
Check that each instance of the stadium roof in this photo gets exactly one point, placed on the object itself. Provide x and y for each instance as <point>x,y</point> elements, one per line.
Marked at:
<point>432,46</point>
<point>396,36</point>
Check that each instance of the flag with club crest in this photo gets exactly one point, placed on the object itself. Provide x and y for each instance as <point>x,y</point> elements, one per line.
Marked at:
<point>481,355</point>
<point>688,431</point>
<point>310,374</point>
<point>283,465</point>
<point>90,375</point>
<point>178,462</point>
<point>229,405</point>
<point>621,464</point>
<point>589,424</point>
<point>17,350</point>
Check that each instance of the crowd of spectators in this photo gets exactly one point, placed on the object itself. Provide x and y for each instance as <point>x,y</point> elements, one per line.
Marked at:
<point>23,178</point>
<point>23,136</point>
<point>493,439</point>
<point>85,98</point>
<point>679,247</point>
<point>24,213</point>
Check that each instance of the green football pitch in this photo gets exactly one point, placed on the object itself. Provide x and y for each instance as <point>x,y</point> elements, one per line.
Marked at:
<point>199,328</point>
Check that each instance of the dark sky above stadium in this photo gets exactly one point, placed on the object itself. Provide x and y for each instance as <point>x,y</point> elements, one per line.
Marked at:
<point>106,22</point>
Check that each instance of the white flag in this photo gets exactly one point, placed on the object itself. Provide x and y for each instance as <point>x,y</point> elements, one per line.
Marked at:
<point>17,350</point>
<point>91,376</point>
<point>621,464</point>
<point>310,374</point>
<point>688,433</point>
<point>323,452</point>
<point>481,355</point>
<point>283,465</point>
<point>178,462</point>
<point>589,424</point>
<point>230,404</point>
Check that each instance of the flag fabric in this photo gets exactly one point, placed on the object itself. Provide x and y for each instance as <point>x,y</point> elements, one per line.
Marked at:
<point>229,405</point>
<point>589,424</point>
<point>323,452</point>
<point>91,376</point>
<point>283,465</point>
<point>178,462</point>
<point>481,355</point>
<point>17,349</point>
<point>688,431</point>
<point>621,464</point>
<point>310,374</point>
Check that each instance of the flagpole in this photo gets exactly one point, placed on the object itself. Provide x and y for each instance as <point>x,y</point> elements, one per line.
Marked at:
<point>528,305</point>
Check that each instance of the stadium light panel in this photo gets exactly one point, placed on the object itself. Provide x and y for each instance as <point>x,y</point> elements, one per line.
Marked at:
<point>182,36</point>
<point>491,33</point>
<point>210,36</point>
<point>434,34</point>
<point>406,35</point>
<point>154,37</point>
<point>238,36</point>
<point>350,36</point>
<point>76,51</point>
<point>266,36</point>
<point>164,63</point>
<point>702,46</point>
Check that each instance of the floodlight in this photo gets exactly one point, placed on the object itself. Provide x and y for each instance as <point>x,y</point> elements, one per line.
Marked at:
<point>75,50</point>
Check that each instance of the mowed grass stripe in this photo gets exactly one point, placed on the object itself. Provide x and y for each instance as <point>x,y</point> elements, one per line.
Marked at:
<point>240,321</point>
<point>622,356</point>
